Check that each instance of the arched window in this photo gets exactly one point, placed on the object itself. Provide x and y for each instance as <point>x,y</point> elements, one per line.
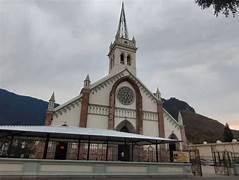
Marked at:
<point>122,58</point>
<point>128,60</point>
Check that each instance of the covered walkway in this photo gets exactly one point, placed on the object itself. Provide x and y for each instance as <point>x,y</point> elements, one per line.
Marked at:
<point>73,143</point>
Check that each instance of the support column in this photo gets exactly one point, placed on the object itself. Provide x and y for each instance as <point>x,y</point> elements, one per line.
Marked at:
<point>132,152</point>
<point>84,106</point>
<point>78,153</point>
<point>157,155</point>
<point>107,149</point>
<point>10,146</point>
<point>88,150</point>
<point>46,146</point>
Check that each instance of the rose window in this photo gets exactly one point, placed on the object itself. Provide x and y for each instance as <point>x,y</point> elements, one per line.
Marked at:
<point>125,95</point>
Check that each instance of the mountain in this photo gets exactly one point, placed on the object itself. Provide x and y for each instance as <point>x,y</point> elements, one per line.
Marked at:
<point>198,128</point>
<point>21,110</point>
<point>205,129</point>
<point>173,106</point>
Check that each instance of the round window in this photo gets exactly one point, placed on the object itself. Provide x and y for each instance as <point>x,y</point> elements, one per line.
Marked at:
<point>125,95</point>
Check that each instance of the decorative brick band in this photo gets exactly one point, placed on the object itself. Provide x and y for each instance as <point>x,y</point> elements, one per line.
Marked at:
<point>84,107</point>
<point>139,108</point>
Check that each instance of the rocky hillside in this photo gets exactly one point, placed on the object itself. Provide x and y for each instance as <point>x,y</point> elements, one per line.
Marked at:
<point>198,128</point>
<point>173,106</point>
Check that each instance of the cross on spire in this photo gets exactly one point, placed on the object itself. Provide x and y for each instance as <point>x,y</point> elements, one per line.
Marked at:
<point>122,31</point>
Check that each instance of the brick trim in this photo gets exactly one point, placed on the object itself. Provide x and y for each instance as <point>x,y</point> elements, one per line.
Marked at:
<point>84,107</point>
<point>160,119</point>
<point>139,106</point>
<point>163,155</point>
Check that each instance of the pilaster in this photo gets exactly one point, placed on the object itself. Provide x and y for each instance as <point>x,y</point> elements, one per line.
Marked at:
<point>161,130</point>
<point>84,107</point>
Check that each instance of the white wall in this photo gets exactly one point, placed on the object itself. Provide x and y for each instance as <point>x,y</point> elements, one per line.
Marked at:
<point>149,104</point>
<point>150,128</point>
<point>69,115</point>
<point>97,121</point>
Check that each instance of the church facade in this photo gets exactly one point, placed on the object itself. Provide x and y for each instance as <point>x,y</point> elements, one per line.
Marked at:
<point>119,101</point>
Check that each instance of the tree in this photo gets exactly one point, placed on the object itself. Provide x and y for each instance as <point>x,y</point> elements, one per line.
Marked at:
<point>227,134</point>
<point>220,6</point>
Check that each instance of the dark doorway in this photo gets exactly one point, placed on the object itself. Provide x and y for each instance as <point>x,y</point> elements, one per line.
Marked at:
<point>124,149</point>
<point>123,152</point>
<point>172,147</point>
<point>61,150</point>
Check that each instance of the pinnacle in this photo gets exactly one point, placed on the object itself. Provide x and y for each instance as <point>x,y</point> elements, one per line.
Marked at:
<point>52,97</point>
<point>87,78</point>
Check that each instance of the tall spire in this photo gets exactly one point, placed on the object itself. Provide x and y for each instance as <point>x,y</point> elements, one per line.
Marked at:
<point>122,31</point>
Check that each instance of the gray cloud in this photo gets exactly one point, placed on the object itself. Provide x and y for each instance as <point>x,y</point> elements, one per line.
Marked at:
<point>188,53</point>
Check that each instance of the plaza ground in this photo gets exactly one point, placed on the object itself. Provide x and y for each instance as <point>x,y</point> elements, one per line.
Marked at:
<point>119,178</point>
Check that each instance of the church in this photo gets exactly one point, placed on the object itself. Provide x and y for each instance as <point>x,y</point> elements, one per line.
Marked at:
<point>115,126</point>
<point>119,101</point>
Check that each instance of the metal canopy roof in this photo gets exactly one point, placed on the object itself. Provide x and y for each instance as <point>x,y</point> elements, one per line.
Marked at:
<point>80,133</point>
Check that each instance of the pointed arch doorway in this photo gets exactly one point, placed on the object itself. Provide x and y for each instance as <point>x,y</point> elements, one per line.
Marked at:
<point>173,146</point>
<point>125,149</point>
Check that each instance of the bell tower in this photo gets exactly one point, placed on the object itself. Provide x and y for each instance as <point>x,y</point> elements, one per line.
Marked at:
<point>122,52</point>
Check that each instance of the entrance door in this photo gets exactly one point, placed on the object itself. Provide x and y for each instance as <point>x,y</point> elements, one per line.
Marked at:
<point>123,152</point>
<point>172,147</point>
<point>61,150</point>
<point>124,149</point>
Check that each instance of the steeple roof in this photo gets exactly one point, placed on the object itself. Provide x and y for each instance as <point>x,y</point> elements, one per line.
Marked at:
<point>52,97</point>
<point>122,31</point>
<point>87,78</point>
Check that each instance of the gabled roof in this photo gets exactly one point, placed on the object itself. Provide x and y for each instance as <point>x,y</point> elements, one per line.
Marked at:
<point>119,75</point>
<point>115,76</point>
<point>68,102</point>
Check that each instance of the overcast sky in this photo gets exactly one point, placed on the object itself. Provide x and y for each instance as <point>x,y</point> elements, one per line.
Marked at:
<point>187,53</point>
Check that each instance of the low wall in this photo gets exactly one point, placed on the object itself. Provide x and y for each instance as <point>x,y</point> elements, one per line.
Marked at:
<point>236,169</point>
<point>35,167</point>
